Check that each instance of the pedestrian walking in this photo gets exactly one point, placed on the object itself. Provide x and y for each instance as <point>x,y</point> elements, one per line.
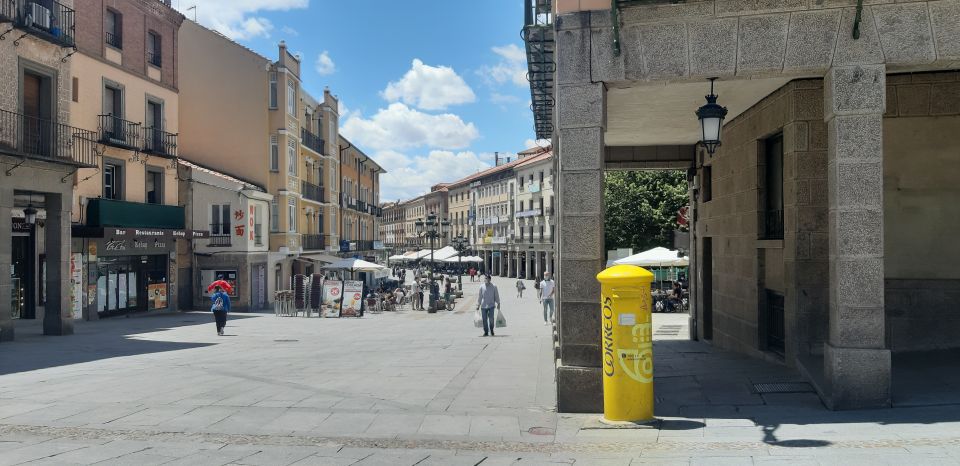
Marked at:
<point>489,298</point>
<point>520,288</point>
<point>473,272</point>
<point>547,290</point>
<point>220,307</point>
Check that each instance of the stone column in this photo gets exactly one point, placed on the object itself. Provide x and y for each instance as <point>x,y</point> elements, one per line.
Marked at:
<point>58,315</point>
<point>549,262</point>
<point>856,359</point>
<point>6,243</point>
<point>537,271</point>
<point>527,261</point>
<point>579,120</point>
<point>516,264</point>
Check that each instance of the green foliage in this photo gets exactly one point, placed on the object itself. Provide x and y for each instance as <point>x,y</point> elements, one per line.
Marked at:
<point>642,208</point>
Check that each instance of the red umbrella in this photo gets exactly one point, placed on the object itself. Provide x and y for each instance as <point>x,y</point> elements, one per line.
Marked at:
<point>222,284</point>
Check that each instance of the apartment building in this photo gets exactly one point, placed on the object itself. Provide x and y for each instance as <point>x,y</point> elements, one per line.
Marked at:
<point>359,200</point>
<point>436,203</point>
<point>493,203</point>
<point>530,251</point>
<point>236,212</point>
<point>126,213</point>
<point>279,138</point>
<point>391,226</point>
<point>413,210</point>
<point>40,153</point>
<point>458,201</point>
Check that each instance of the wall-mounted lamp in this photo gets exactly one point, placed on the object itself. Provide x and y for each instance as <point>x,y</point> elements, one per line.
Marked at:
<point>711,118</point>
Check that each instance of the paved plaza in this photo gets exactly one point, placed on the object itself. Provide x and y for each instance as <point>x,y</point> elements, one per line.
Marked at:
<point>409,388</point>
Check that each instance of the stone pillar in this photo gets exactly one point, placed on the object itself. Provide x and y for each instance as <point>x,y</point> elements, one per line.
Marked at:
<point>549,261</point>
<point>58,315</point>
<point>856,359</point>
<point>6,243</point>
<point>538,260</point>
<point>516,264</point>
<point>579,119</point>
<point>527,261</point>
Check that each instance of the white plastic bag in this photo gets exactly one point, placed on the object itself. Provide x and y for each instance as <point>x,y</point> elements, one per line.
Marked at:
<point>501,321</point>
<point>477,319</point>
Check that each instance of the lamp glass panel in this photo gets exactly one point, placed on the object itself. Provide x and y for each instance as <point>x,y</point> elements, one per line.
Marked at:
<point>711,128</point>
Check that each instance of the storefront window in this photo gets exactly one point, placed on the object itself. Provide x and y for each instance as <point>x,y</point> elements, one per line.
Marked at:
<point>131,283</point>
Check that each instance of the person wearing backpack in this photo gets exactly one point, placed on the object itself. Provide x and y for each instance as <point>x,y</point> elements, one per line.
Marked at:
<point>220,308</point>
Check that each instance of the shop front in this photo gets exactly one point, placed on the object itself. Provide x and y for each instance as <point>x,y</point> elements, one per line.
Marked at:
<point>128,270</point>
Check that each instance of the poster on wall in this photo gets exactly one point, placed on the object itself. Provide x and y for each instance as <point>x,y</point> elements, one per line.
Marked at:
<point>332,289</point>
<point>352,298</point>
<point>76,285</point>
<point>158,294</point>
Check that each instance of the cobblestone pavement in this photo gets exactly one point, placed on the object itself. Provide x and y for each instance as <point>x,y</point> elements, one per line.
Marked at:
<point>409,388</point>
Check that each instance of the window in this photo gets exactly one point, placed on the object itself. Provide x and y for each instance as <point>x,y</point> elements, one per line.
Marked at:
<point>153,49</point>
<point>772,189</point>
<point>112,180</point>
<point>541,233</point>
<point>274,154</point>
<point>154,182</point>
<point>258,225</point>
<point>274,216</point>
<point>113,100</point>
<point>292,157</point>
<point>75,94</point>
<point>273,89</point>
<point>541,206</point>
<point>706,190</point>
<point>291,98</point>
<point>220,219</point>
<point>292,214</point>
<point>114,28</point>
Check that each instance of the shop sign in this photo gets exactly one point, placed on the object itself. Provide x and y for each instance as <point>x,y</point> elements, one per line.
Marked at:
<point>109,232</point>
<point>352,298</point>
<point>331,297</point>
<point>76,285</point>
<point>20,225</point>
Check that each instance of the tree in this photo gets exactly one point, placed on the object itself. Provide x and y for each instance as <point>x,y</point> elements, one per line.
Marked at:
<point>642,208</point>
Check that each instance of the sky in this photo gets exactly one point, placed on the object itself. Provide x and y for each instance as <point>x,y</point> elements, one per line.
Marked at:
<point>429,88</point>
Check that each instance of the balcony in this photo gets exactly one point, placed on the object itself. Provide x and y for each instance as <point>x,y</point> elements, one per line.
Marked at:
<point>311,191</point>
<point>28,136</point>
<point>114,40</point>
<point>220,241</point>
<point>48,20</point>
<point>311,141</point>
<point>118,132</point>
<point>116,213</point>
<point>313,242</point>
<point>154,59</point>
<point>361,206</point>
<point>159,142</point>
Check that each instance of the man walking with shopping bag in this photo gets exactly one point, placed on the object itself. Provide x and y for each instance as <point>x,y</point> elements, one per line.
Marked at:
<point>489,298</point>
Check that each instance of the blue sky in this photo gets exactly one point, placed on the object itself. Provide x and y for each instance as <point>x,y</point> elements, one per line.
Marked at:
<point>429,88</point>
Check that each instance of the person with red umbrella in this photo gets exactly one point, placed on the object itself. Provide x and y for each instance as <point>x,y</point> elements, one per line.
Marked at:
<point>220,303</point>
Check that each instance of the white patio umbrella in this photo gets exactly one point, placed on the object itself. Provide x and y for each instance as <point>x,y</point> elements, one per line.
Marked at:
<point>354,265</point>
<point>464,259</point>
<point>656,257</point>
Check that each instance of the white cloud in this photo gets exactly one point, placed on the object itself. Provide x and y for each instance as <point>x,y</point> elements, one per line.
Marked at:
<point>499,98</point>
<point>530,143</point>
<point>325,65</point>
<point>512,66</point>
<point>237,19</point>
<point>400,127</point>
<point>408,177</point>
<point>289,31</point>
<point>429,87</point>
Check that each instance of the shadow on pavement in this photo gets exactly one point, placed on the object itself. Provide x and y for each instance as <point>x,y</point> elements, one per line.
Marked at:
<point>98,340</point>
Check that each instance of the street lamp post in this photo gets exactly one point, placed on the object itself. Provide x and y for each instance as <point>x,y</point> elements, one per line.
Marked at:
<point>433,227</point>
<point>460,244</point>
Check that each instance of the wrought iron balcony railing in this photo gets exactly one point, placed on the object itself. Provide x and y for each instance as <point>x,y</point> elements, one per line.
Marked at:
<point>49,20</point>
<point>772,224</point>
<point>154,59</point>
<point>361,206</point>
<point>220,241</point>
<point>46,139</point>
<point>159,142</point>
<point>311,191</point>
<point>116,131</point>
<point>114,40</point>
<point>313,241</point>
<point>311,141</point>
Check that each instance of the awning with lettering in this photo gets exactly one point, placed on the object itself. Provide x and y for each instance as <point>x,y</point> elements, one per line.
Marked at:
<point>83,231</point>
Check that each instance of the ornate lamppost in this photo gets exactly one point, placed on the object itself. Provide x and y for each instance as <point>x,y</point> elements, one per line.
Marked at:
<point>433,228</point>
<point>711,117</point>
<point>460,244</point>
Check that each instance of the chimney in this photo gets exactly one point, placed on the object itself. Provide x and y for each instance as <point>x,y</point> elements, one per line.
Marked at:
<point>496,159</point>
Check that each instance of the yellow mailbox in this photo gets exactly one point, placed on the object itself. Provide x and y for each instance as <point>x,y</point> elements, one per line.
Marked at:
<point>627,343</point>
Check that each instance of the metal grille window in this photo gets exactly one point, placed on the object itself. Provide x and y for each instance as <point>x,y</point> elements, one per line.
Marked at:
<point>291,98</point>
<point>154,56</point>
<point>114,28</point>
<point>258,225</point>
<point>220,219</point>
